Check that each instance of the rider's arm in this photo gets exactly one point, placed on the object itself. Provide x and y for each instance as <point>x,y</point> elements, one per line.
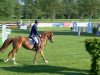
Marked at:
<point>36,31</point>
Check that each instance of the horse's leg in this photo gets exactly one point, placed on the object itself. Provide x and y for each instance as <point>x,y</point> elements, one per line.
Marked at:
<point>6,60</point>
<point>14,61</point>
<point>13,55</point>
<point>16,46</point>
<point>41,52</point>
<point>9,55</point>
<point>35,58</point>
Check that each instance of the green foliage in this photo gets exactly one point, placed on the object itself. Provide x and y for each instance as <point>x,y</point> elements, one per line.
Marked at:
<point>0,40</point>
<point>93,47</point>
<point>89,8</point>
<point>68,8</point>
<point>17,10</point>
<point>51,9</point>
<point>28,9</point>
<point>7,8</point>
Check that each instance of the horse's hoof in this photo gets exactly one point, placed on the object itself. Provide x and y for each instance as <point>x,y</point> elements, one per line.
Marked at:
<point>35,63</point>
<point>46,61</point>
<point>15,63</point>
<point>5,60</point>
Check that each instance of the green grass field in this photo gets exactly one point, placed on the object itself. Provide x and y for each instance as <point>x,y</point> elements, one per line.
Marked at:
<point>50,20</point>
<point>0,40</point>
<point>66,56</point>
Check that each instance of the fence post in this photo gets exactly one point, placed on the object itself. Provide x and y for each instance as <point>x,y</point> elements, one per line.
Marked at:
<point>4,33</point>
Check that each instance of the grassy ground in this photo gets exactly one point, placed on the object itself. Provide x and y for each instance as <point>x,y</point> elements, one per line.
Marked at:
<point>50,20</point>
<point>66,56</point>
<point>0,40</point>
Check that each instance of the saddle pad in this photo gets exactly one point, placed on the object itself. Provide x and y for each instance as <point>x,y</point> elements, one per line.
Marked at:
<point>31,41</point>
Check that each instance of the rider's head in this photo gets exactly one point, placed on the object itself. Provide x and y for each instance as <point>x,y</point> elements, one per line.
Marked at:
<point>36,21</point>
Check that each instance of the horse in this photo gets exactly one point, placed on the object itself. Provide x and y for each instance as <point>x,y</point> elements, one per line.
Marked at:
<point>22,41</point>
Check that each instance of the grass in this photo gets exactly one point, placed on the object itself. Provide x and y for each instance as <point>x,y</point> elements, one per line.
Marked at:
<point>0,40</point>
<point>66,56</point>
<point>49,20</point>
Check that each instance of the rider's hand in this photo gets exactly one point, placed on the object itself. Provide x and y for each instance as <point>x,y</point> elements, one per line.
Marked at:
<point>30,37</point>
<point>39,35</point>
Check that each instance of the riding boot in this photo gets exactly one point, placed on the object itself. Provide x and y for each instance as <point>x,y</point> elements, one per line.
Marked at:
<point>36,47</point>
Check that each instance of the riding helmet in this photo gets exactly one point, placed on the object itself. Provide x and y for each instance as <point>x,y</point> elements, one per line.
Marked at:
<point>36,21</point>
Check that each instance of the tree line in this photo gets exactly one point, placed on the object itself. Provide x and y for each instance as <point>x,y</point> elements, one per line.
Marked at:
<point>50,9</point>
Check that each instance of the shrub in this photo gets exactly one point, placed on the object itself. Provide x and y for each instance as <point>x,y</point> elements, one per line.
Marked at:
<point>93,47</point>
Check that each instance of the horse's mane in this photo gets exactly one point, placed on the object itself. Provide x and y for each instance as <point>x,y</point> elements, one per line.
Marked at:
<point>45,33</point>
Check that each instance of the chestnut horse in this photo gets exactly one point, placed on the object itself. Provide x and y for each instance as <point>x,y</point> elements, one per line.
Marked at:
<point>21,41</point>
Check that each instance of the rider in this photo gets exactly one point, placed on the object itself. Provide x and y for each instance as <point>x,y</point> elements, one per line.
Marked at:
<point>35,35</point>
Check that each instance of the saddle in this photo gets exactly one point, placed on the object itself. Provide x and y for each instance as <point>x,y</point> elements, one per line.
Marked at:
<point>32,42</point>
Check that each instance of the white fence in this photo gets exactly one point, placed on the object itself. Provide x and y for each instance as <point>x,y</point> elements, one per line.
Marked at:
<point>5,32</point>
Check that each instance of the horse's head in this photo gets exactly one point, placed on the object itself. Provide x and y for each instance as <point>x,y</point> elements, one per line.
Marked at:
<point>48,35</point>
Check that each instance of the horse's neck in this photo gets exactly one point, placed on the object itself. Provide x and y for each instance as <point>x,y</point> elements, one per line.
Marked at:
<point>43,40</point>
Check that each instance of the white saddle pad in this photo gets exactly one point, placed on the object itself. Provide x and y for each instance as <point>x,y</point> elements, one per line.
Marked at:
<point>31,41</point>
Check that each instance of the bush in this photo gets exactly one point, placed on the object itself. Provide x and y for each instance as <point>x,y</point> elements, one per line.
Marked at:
<point>93,47</point>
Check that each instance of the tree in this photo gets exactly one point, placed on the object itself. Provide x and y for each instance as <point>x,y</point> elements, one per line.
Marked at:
<point>88,8</point>
<point>18,10</point>
<point>94,8</point>
<point>61,8</point>
<point>50,8</point>
<point>28,8</point>
<point>6,8</point>
<point>70,8</point>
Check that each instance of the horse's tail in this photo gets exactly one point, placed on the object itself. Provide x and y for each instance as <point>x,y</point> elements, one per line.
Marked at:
<point>6,43</point>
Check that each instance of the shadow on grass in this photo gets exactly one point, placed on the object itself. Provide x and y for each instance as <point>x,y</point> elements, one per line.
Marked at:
<point>46,69</point>
<point>1,60</point>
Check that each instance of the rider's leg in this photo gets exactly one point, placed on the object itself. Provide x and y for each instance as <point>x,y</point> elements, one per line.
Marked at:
<point>36,45</point>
